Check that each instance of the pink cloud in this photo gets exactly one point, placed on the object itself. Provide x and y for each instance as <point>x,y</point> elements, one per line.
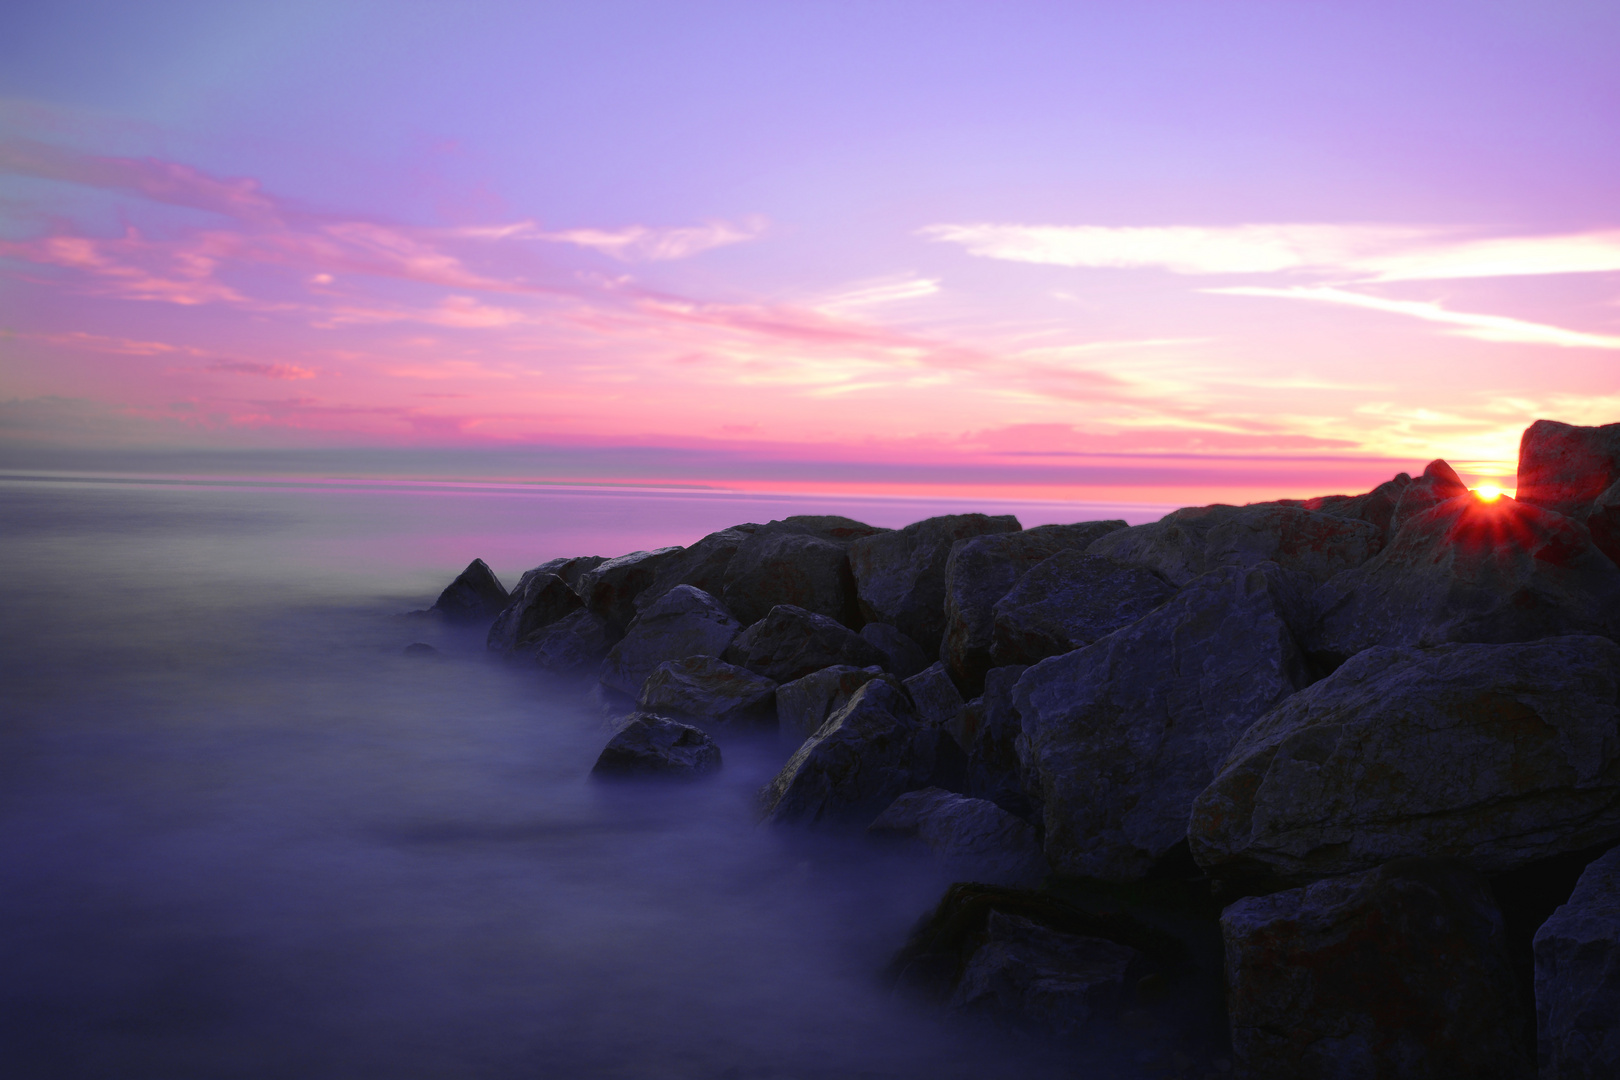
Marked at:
<point>268,371</point>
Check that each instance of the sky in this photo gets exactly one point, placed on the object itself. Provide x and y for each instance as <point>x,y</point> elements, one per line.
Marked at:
<point>1158,253</point>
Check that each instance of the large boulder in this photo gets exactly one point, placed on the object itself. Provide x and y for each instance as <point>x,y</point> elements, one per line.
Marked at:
<point>982,570</point>
<point>476,594</point>
<point>539,600</point>
<point>1069,601</point>
<point>1376,506</point>
<point>702,565</point>
<point>906,657</point>
<point>650,745</point>
<point>709,689</point>
<point>973,839</point>
<point>900,576</point>
<point>610,589</point>
<point>790,642</point>
<point>1400,971</point>
<point>866,754</point>
<point>1578,979</point>
<point>804,704</point>
<point>572,645</point>
<point>1471,571</point>
<point>1196,540</point>
<point>1565,468</point>
<point>935,696</point>
<point>685,621</point>
<point>1498,754</point>
<point>834,527</point>
<point>775,567</point>
<point>1438,484</point>
<point>1603,522</point>
<point>1031,975</point>
<point>987,728</point>
<point>1120,737</point>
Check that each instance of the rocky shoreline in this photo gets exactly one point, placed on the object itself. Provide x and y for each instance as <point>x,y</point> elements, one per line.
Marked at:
<point>1313,788</point>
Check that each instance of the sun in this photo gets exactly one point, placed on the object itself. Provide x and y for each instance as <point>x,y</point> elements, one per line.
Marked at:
<point>1488,492</point>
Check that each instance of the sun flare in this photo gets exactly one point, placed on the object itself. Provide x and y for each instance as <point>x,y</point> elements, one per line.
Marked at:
<point>1488,492</point>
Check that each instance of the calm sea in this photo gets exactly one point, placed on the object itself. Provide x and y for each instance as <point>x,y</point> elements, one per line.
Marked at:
<point>242,835</point>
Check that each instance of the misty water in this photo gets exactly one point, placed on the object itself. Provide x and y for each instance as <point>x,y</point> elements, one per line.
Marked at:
<point>243,835</point>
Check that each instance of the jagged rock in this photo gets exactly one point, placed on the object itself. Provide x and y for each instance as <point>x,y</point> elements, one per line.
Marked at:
<point>1578,979</point>
<point>651,745</point>
<point>1120,737</point>
<point>1603,522</point>
<point>1069,601</point>
<point>1438,483</point>
<point>539,600</point>
<point>866,754</point>
<point>610,588</point>
<point>775,567</point>
<point>1565,468</point>
<point>804,704</point>
<point>982,570</point>
<point>935,696</point>
<point>1399,972</point>
<point>1498,754</point>
<point>790,643</point>
<point>906,657</point>
<point>1376,506</point>
<point>571,645</point>
<point>987,729</point>
<point>702,565</point>
<point>1036,976</point>
<point>1469,570</point>
<point>475,594</point>
<point>1194,541</point>
<point>685,621</point>
<point>900,576</point>
<point>973,839</point>
<point>707,688</point>
<point>832,527</point>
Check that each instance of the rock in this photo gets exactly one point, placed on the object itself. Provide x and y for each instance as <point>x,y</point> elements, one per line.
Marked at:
<point>935,696</point>
<point>1376,506</point>
<point>1036,976</point>
<point>1471,571</point>
<point>1578,979</point>
<point>1438,483</point>
<point>790,643</point>
<point>987,729</point>
<point>539,600</point>
<point>609,589</point>
<point>702,565</point>
<point>419,650</point>
<point>1603,522</point>
<point>906,657</point>
<point>685,621</point>
<point>1069,601</point>
<point>982,570</point>
<point>804,704</point>
<point>840,530</point>
<point>1565,468</point>
<point>866,754</point>
<point>773,567</point>
<point>475,594</point>
<point>707,688</point>
<point>900,576</point>
<point>1194,541</point>
<point>1120,737</point>
<point>571,645</point>
<point>1399,972</point>
<point>973,839</point>
<point>650,745</point>
<point>1498,754</point>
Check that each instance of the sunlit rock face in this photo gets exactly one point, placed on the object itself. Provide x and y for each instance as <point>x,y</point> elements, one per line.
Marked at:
<point>1376,506</point>
<point>1120,737</point>
<point>1471,571</point>
<point>1400,971</point>
<point>1578,979</point>
<point>1497,754</point>
<point>1438,483</point>
<point>1565,468</point>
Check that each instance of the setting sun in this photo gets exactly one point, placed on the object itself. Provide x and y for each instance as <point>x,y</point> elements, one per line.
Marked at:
<point>1488,492</point>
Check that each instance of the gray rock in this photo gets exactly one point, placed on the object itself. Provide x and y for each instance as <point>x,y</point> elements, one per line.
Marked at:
<point>475,594</point>
<point>702,565</point>
<point>1376,506</point>
<point>1438,484</point>
<point>1069,601</point>
<point>650,745</point>
<point>935,696</point>
<point>1578,979</point>
<point>685,621</point>
<point>1565,468</point>
<point>775,567</point>
<point>840,530</point>
<point>1194,541</point>
<point>866,754</point>
<point>900,576</point>
<point>790,643</point>
<point>1399,972</point>
<point>539,600</point>
<point>987,728</point>
<point>1120,737</point>
<point>1498,754</point>
<point>1471,571</point>
<point>1033,975</point>
<point>610,588</point>
<point>804,704</point>
<point>707,688</point>
<point>1603,522</point>
<point>973,839</point>
<point>906,657</point>
<point>981,571</point>
<point>572,645</point>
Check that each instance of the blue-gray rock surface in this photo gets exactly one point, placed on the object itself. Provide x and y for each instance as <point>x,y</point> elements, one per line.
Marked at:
<point>572,645</point>
<point>702,565</point>
<point>651,745</point>
<point>1068,601</point>
<point>791,642</point>
<point>686,621</point>
<point>776,566</point>
<point>987,729</point>
<point>805,703</point>
<point>475,594</point>
<point>709,689</point>
<point>936,697</point>
<point>540,599</point>
<point>610,588</point>
<point>905,657</point>
<point>1578,979</point>
<point>1034,976</point>
<point>972,839</point>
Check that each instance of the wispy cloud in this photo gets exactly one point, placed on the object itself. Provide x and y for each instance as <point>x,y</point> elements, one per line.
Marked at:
<point>644,243</point>
<point>267,371</point>
<point>880,291</point>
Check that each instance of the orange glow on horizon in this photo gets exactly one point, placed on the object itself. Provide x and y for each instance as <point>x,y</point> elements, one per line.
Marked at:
<point>1488,492</point>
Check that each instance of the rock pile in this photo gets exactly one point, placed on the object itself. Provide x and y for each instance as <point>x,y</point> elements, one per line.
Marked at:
<point>1355,726</point>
